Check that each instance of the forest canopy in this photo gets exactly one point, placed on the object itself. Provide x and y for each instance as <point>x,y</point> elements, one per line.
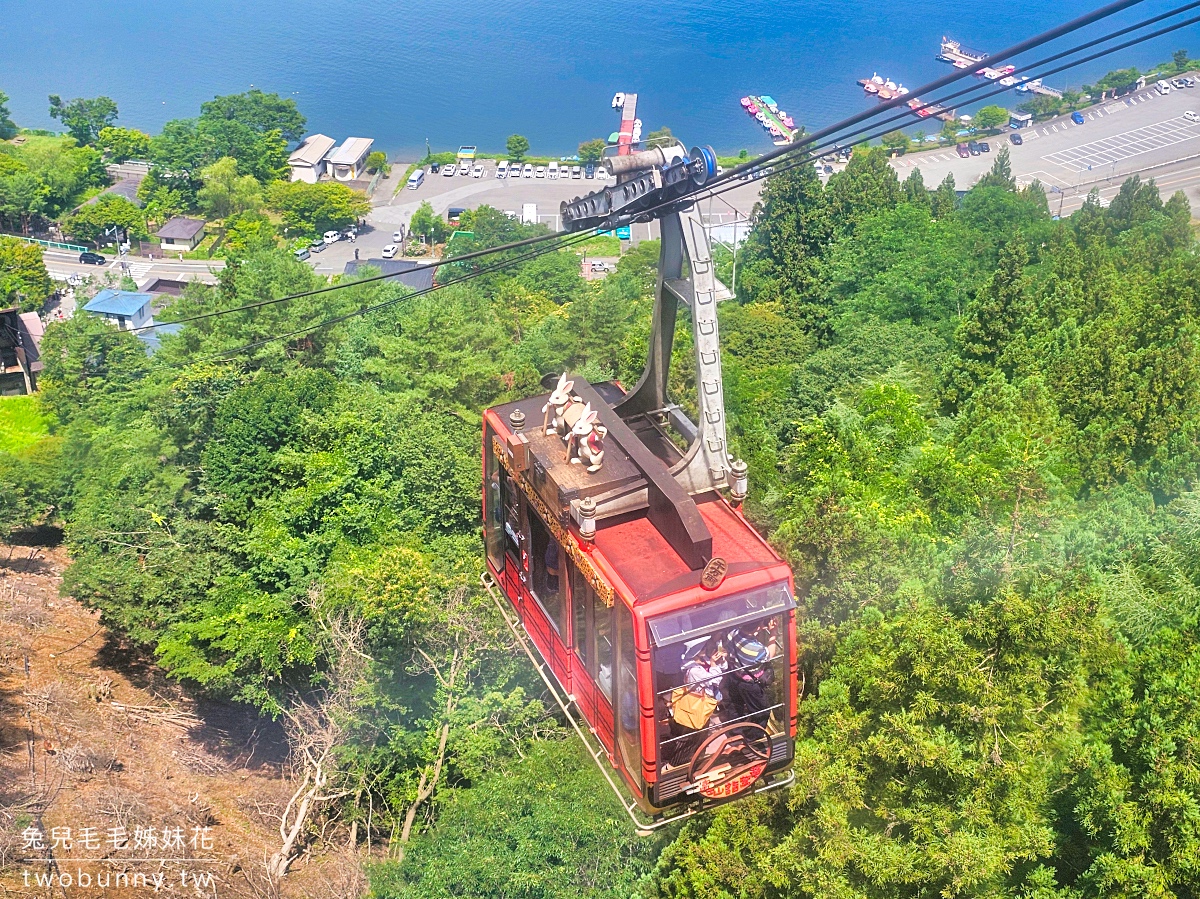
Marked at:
<point>973,432</point>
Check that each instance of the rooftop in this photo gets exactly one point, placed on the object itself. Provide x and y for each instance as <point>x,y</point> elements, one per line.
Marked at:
<point>118,302</point>
<point>351,151</point>
<point>311,150</point>
<point>401,269</point>
<point>181,228</point>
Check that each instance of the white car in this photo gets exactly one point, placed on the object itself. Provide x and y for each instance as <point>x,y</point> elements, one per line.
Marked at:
<point>527,172</point>
<point>389,252</point>
<point>477,172</point>
<point>601,173</point>
<point>397,236</point>
<point>449,170</point>
<point>541,172</point>
<point>1191,116</point>
<point>332,237</point>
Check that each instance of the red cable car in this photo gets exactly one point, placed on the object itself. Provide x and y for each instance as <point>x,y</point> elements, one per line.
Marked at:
<point>661,618</point>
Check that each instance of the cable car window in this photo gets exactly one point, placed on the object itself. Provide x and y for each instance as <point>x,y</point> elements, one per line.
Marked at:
<point>690,623</point>
<point>583,600</point>
<point>547,582</point>
<point>720,681</point>
<point>604,650</point>
<point>494,520</point>
<point>629,739</point>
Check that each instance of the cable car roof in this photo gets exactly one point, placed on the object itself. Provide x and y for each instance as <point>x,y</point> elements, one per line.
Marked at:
<point>640,555</point>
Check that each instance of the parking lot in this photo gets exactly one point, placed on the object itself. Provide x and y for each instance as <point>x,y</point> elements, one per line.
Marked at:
<point>1135,134</point>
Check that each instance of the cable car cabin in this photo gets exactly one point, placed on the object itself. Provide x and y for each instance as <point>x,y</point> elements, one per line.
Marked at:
<point>666,619</point>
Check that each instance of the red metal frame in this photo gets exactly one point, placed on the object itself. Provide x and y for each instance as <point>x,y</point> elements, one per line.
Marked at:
<point>616,567</point>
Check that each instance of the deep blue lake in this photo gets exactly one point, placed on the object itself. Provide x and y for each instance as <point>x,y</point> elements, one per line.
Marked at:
<point>475,71</point>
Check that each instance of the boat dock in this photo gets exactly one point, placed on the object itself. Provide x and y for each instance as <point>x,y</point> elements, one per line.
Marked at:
<point>885,89</point>
<point>629,124</point>
<point>774,120</point>
<point>966,58</point>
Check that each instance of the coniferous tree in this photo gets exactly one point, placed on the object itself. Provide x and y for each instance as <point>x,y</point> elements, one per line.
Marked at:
<point>1001,174</point>
<point>944,200</point>
<point>914,189</point>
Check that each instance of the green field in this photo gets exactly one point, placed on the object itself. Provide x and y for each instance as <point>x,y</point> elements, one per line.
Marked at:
<point>22,423</point>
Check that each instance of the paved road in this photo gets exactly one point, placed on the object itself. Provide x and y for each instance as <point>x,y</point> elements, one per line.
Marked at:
<point>62,264</point>
<point>1144,133</point>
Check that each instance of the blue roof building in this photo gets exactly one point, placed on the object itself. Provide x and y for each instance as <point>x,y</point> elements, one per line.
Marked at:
<point>124,308</point>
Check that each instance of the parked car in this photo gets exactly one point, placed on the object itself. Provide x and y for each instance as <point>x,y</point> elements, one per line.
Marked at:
<point>301,253</point>
<point>963,151</point>
<point>1077,118</point>
<point>1016,139</point>
<point>985,146</point>
<point>434,168</point>
<point>317,246</point>
<point>601,173</point>
<point>397,236</point>
<point>576,172</point>
<point>332,236</point>
<point>1178,84</point>
<point>88,258</point>
<point>449,170</point>
<point>602,267</point>
<point>389,252</point>
<point>527,172</point>
<point>973,148</point>
<point>477,172</point>
<point>541,172</point>
<point>1191,116</point>
<point>589,170</point>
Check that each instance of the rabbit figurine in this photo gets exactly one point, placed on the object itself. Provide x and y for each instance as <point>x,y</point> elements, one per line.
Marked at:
<point>591,447</point>
<point>559,399</point>
<point>581,428</point>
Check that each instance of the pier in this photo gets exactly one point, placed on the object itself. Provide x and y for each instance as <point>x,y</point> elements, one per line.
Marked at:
<point>628,118</point>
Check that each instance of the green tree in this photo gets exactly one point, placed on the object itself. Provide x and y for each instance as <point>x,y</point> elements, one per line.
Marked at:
<point>89,222</point>
<point>311,209</point>
<point>990,117</point>
<point>428,224</point>
<point>227,193</point>
<point>915,190</point>
<point>660,137</point>
<point>24,280</point>
<point>592,150</point>
<point>258,111</point>
<point>84,118</point>
<point>1180,60</point>
<point>8,128</point>
<point>120,144</point>
<point>1000,174</point>
<point>517,146</point>
<point>896,140</point>
<point>377,162</point>
<point>23,194</point>
<point>186,146</point>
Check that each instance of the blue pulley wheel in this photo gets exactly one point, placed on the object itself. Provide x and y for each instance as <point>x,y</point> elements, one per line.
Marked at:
<point>701,174</point>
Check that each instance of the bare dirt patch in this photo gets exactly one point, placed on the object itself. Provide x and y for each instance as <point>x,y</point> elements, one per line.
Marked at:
<point>112,764</point>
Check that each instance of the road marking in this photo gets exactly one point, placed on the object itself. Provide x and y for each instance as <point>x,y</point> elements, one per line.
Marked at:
<point>1130,143</point>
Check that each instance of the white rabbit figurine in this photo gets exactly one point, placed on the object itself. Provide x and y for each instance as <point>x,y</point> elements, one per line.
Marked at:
<point>580,430</point>
<point>558,401</point>
<point>591,447</point>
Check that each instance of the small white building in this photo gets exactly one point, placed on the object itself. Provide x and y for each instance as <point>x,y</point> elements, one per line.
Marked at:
<point>349,161</point>
<point>307,161</point>
<point>181,234</point>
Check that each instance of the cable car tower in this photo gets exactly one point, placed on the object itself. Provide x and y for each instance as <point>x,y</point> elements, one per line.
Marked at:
<point>660,620</point>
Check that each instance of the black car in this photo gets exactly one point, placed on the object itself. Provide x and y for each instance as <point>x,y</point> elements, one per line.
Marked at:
<point>973,148</point>
<point>985,146</point>
<point>92,259</point>
<point>434,168</point>
<point>1016,139</point>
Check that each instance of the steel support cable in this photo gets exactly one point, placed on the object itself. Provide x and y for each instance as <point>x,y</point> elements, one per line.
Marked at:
<point>806,158</point>
<point>337,319</point>
<point>802,146</point>
<point>937,84</point>
<point>474,254</point>
<point>992,88</point>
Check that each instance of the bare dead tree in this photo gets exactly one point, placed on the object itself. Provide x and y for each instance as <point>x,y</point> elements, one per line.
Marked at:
<point>316,725</point>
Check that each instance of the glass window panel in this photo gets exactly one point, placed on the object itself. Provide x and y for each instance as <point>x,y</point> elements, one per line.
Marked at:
<point>719,614</point>
<point>583,599</point>
<point>626,711</point>
<point>494,518</point>
<point>602,621</point>
<point>546,566</point>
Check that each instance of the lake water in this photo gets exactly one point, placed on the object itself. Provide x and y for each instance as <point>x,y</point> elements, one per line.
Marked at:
<point>475,71</point>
